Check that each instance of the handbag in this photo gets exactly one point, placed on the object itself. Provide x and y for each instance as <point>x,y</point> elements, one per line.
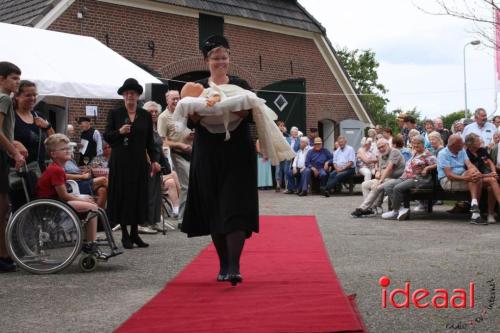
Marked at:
<point>31,169</point>
<point>424,182</point>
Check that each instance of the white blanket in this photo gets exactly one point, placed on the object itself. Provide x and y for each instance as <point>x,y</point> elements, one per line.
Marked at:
<point>234,99</point>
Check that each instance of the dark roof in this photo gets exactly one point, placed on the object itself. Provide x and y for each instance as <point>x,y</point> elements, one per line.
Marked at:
<point>25,12</point>
<point>283,12</point>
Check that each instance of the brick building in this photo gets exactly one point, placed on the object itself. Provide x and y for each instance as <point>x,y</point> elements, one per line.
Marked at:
<point>276,45</point>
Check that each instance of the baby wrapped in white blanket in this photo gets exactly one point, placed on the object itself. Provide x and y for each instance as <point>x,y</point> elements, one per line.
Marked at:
<point>217,106</point>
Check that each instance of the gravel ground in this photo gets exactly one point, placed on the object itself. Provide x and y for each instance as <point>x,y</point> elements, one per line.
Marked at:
<point>438,251</point>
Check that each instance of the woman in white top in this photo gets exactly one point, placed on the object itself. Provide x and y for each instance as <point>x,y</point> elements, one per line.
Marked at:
<point>366,159</point>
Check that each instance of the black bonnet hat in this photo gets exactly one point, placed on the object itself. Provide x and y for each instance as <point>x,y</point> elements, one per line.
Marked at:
<point>213,42</point>
<point>130,84</point>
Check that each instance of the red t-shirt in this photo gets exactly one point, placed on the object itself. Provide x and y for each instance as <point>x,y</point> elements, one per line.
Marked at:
<point>46,186</point>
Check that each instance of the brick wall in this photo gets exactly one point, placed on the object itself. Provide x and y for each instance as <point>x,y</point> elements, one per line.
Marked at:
<point>176,41</point>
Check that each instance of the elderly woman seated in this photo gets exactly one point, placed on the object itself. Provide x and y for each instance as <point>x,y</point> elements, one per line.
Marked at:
<point>417,170</point>
<point>479,157</point>
<point>87,184</point>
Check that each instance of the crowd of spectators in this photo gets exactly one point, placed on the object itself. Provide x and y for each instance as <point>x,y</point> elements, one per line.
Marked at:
<point>462,158</point>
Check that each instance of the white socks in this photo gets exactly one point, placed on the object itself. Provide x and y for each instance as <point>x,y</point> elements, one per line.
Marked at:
<point>175,210</point>
<point>473,202</point>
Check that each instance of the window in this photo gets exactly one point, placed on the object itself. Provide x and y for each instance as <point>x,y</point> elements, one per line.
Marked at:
<point>209,25</point>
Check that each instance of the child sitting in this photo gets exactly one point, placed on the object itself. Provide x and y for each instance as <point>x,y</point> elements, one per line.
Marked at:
<point>52,185</point>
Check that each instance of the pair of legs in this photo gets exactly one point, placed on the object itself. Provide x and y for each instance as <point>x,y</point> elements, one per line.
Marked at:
<point>229,247</point>
<point>172,186</point>
<point>91,227</point>
<point>338,177</point>
<point>366,172</point>
<point>4,209</point>
<point>308,175</point>
<point>100,188</point>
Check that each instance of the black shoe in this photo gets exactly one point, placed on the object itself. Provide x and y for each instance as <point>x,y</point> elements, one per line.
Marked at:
<point>367,211</point>
<point>127,243</point>
<point>302,194</point>
<point>234,279</point>
<point>358,212</point>
<point>93,249</point>
<point>326,193</point>
<point>138,241</point>
<point>7,265</point>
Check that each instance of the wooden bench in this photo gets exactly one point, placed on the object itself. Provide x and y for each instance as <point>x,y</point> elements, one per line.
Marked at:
<point>350,183</point>
<point>431,195</point>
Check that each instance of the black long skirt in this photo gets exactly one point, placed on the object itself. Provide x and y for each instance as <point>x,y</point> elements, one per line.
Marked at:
<point>222,193</point>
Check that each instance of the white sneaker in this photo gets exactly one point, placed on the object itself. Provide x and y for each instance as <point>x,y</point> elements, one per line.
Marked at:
<point>390,215</point>
<point>420,208</point>
<point>491,219</point>
<point>403,213</point>
<point>146,230</point>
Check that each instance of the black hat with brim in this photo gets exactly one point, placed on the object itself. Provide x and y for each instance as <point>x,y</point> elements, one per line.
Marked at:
<point>213,42</point>
<point>130,84</point>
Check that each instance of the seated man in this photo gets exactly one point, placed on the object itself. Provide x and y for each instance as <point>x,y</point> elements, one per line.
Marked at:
<point>457,173</point>
<point>344,160</point>
<point>316,159</point>
<point>417,170</point>
<point>391,166</point>
<point>295,174</point>
<point>86,183</point>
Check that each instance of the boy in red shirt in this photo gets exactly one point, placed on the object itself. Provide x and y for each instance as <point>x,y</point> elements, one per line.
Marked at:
<point>52,185</point>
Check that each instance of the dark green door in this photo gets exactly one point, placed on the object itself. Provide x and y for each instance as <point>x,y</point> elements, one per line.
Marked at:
<point>288,100</point>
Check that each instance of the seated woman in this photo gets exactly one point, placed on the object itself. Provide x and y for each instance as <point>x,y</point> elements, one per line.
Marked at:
<point>366,159</point>
<point>52,185</point>
<point>87,184</point>
<point>489,178</point>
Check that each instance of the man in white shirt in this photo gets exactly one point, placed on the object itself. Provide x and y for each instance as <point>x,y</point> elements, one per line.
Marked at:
<point>296,181</point>
<point>344,161</point>
<point>180,145</point>
<point>484,129</point>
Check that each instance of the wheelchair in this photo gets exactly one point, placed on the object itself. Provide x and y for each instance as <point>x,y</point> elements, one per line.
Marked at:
<point>45,236</point>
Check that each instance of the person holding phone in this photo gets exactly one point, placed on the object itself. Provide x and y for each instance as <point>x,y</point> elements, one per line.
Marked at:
<point>129,131</point>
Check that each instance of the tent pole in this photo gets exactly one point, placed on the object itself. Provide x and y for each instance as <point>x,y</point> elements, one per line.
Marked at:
<point>66,114</point>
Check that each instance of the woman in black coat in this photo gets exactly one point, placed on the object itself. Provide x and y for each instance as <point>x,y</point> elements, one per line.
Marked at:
<point>129,131</point>
<point>222,196</point>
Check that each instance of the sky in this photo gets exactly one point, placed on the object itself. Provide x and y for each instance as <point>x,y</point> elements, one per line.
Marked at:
<point>421,56</point>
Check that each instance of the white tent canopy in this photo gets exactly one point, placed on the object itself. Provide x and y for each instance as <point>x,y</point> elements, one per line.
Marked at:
<point>68,65</point>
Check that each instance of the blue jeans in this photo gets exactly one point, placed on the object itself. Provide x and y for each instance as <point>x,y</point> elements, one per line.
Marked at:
<point>280,172</point>
<point>338,177</point>
<point>307,174</point>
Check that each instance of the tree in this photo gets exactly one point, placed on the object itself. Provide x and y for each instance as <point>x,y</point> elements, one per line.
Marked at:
<point>479,12</point>
<point>450,118</point>
<point>362,68</point>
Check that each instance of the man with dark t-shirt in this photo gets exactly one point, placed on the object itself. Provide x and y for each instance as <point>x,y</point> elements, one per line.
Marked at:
<point>93,137</point>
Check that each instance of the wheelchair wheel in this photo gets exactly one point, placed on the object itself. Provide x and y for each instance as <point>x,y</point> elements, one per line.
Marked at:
<point>44,236</point>
<point>166,212</point>
<point>88,263</point>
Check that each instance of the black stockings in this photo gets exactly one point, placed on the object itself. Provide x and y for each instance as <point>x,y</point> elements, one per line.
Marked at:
<point>229,248</point>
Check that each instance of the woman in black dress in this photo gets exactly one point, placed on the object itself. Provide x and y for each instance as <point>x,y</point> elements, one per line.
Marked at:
<point>222,197</point>
<point>129,131</point>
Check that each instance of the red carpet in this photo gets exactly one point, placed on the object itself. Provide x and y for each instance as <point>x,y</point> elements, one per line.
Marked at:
<point>289,286</point>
